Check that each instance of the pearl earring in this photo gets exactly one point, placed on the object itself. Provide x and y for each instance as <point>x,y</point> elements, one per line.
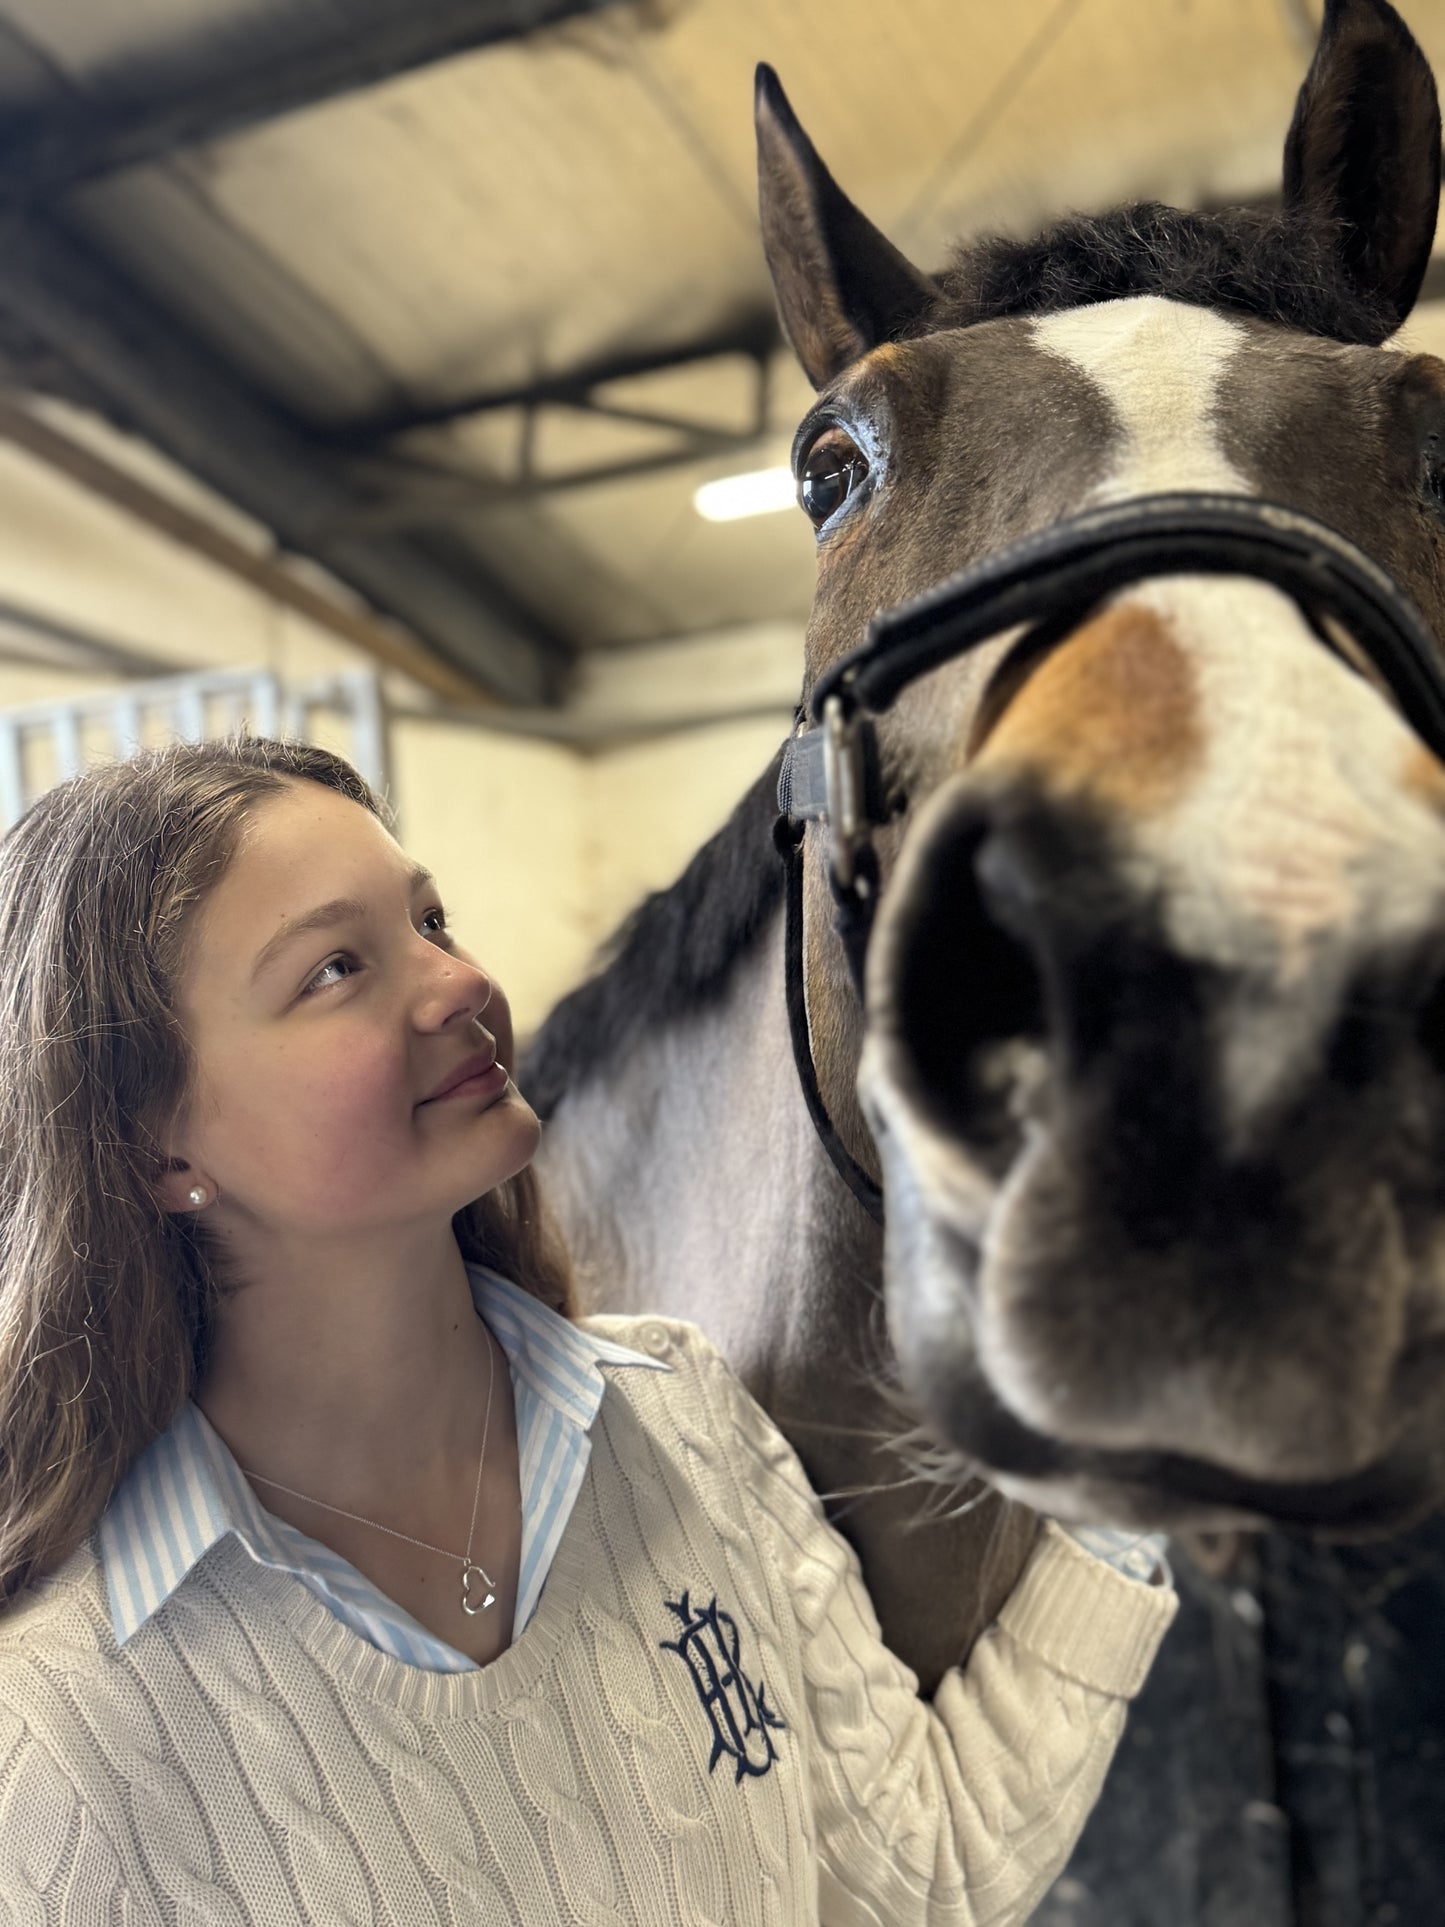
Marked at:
<point>197,1194</point>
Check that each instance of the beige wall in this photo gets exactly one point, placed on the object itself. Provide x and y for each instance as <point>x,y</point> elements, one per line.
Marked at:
<point>540,849</point>
<point>77,559</point>
<point>653,805</point>
<point>541,852</point>
<point>495,817</point>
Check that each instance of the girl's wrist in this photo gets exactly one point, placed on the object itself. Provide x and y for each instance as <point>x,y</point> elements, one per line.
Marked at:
<point>1139,1555</point>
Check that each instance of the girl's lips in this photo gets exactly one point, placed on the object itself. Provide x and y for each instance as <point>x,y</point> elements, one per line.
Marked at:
<point>488,1083</point>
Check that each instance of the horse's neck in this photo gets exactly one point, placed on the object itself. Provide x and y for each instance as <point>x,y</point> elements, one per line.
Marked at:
<point>689,1181</point>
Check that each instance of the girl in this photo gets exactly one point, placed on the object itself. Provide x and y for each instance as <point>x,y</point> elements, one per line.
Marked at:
<point>349,1576</point>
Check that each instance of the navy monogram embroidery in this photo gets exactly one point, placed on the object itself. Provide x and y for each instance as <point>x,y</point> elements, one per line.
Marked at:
<point>739,1711</point>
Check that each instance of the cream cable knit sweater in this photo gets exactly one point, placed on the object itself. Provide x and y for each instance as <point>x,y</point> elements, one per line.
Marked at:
<point>699,1725</point>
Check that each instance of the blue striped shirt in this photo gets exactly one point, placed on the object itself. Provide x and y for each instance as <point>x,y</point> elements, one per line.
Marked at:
<point>185,1490</point>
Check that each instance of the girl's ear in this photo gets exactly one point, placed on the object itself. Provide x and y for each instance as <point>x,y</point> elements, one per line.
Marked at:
<point>175,1183</point>
<point>842,287</point>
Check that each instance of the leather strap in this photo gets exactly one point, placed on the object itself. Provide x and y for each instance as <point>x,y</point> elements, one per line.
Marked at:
<point>788,840</point>
<point>1074,565</point>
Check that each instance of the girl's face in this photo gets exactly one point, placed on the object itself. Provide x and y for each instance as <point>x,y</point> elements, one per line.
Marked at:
<point>326,1004</point>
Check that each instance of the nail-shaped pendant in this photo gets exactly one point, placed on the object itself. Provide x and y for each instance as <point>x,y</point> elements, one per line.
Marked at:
<point>480,1605</point>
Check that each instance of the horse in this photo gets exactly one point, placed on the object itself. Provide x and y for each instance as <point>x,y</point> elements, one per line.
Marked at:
<point>1150,1061</point>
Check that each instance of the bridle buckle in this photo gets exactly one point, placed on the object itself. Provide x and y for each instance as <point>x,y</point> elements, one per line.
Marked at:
<point>846,786</point>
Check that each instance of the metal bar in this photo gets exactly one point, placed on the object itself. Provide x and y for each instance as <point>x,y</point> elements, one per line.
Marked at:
<point>125,725</point>
<point>755,336</point>
<point>59,148</point>
<point>295,715</point>
<point>189,712</point>
<point>12,774</point>
<point>264,696</point>
<point>161,382</point>
<point>364,706</point>
<point>184,703</point>
<point>706,435</point>
<point>65,736</point>
<point>162,692</point>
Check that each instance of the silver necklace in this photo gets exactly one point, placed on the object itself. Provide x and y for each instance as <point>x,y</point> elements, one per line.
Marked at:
<point>468,1567</point>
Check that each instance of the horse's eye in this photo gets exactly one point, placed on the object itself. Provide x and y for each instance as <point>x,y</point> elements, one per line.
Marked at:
<point>1433,483</point>
<point>832,469</point>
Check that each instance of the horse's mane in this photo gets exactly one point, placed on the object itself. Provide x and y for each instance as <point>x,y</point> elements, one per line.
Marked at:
<point>1275,266</point>
<point>673,955</point>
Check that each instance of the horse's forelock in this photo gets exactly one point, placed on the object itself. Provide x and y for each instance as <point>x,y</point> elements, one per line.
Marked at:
<point>1246,261</point>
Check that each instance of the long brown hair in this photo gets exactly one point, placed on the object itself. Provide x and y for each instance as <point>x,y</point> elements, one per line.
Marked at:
<point>107,1304</point>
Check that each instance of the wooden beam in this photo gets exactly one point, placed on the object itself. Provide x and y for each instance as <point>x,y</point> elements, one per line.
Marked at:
<point>390,647</point>
<point>151,375</point>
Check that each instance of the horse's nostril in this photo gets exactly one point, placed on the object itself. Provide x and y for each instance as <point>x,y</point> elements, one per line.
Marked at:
<point>967,1008</point>
<point>1011,892</point>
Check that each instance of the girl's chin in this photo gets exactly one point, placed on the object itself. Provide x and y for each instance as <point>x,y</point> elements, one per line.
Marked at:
<point>513,1139</point>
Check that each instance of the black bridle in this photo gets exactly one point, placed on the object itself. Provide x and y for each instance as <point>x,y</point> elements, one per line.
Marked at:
<point>1048,584</point>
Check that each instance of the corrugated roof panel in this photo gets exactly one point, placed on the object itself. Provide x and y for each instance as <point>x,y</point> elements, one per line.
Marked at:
<point>119,53</point>
<point>515,212</point>
<point>509,213</point>
<point>536,204</point>
<point>236,294</point>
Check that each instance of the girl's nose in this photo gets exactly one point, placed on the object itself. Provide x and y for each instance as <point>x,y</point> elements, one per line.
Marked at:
<point>457,994</point>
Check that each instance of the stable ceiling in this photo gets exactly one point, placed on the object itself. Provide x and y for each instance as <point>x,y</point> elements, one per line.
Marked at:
<point>365,266</point>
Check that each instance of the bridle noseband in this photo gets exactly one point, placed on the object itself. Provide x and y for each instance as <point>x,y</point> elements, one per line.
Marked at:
<point>1048,584</point>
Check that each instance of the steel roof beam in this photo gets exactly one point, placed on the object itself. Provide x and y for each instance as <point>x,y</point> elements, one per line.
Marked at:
<point>154,378</point>
<point>755,337</point>
<point>60,147</point>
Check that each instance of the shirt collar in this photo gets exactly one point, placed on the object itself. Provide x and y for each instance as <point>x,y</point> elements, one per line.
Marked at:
<point>185,1491</point>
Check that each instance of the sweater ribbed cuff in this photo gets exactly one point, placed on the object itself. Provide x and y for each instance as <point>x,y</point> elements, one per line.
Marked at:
<point>1084,1619</point>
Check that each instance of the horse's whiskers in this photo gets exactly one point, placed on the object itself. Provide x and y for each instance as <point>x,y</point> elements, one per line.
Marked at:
<point>881,1436</point>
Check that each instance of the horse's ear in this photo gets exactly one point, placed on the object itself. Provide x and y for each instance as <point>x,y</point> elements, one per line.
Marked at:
<point>1363,152</point>
<point>842,287</point>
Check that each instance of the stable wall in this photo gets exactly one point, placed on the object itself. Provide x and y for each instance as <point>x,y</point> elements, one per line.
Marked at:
<point>540,852</point>
<point>79,560</point>
<point>540,848</point>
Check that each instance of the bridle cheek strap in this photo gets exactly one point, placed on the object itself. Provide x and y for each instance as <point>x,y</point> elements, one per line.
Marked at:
<point>788,840</point>
<point>1048,584</point>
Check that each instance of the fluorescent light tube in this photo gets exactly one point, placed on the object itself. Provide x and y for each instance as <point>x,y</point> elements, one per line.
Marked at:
<point>761,492</point>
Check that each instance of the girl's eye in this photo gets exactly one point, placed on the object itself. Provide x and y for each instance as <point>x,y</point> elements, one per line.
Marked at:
<point>434,922</point>
<point>320,980</point>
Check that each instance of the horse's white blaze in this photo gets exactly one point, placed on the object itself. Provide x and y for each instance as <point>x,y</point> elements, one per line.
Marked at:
<point>1298,849</point>
<point>1158,364</point>
<point>1296,844</point>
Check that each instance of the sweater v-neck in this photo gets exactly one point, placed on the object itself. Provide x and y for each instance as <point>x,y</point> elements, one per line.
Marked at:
<point>344,1655</point>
